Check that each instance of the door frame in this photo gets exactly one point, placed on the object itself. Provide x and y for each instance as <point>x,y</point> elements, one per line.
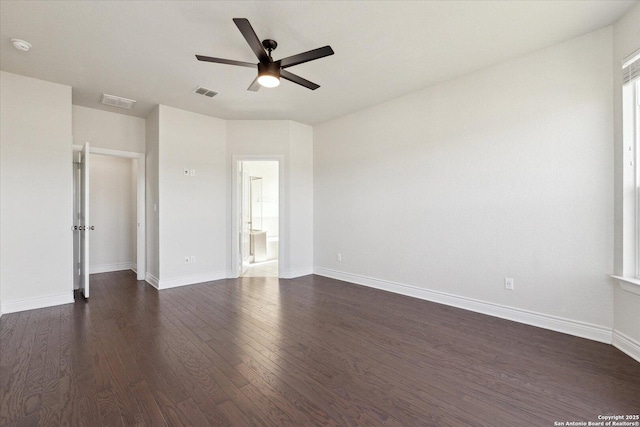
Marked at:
<point>141,236</point>
<point>243,195</point>
<point>235,200</point>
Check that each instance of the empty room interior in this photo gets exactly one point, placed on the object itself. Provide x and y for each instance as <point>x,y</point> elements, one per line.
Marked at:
<point>299,213</point>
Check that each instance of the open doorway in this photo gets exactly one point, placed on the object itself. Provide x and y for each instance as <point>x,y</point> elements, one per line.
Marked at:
<point>109,212</point>
<point>259,204</point>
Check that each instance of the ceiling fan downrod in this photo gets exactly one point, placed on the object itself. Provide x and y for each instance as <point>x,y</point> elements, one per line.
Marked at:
<point>270,46</point>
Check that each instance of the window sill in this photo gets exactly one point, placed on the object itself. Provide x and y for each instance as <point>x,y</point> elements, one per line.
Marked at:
<point>629,284</point>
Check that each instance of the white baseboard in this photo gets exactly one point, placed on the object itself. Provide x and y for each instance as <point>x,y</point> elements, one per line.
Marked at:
<point>107,268</point>
<point>626,344</point>
<point>541,320</point>
<point>184,281</point>
<point>152,280</point>
<point>292,274</point>
<point>38,302</point>
<point>134,267</point>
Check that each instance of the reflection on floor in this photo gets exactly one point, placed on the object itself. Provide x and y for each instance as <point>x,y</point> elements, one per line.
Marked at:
<point>262,269</point>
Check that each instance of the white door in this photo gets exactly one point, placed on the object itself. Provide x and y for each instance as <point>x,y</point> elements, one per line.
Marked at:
<point>83,222</point>
<point>77,157</point>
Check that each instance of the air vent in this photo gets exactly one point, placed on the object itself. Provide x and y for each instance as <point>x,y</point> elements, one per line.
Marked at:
<point>204,91</point>
<point>116,101</point>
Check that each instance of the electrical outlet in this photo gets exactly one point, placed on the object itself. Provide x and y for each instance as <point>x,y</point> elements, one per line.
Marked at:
<point>186,260</point>
<point>339,257</point>
<point>193,259</point>
<point>193,172</point>
<point>508,283</point>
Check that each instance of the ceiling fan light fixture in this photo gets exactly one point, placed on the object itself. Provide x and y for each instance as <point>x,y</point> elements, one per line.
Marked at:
<point>268,74</point>
<point>268,80</point>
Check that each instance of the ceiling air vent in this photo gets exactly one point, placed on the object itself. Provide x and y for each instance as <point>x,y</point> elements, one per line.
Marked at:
<point>116,101</point>
<point>204,91</point>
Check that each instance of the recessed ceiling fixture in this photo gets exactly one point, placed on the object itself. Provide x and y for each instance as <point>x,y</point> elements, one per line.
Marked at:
<point>270,71</point>
<point>21,45</point>
<point>204,91</point>
<point>117,101</point>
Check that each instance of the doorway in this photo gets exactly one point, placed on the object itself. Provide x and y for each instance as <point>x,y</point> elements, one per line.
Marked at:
<point>259,218</point>
<point>109,214</point>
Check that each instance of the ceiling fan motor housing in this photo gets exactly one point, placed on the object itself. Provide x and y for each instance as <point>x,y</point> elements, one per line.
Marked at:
<point>270,69</point>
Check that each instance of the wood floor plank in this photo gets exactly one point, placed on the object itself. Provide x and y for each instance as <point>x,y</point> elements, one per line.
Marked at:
<point>171,413</point>
<point>8,329</point>
<point>34,382</point>
<point>13,392</point>
<point>50,406</point>
<point>236,416</point>
<point>75,391</point>
<point>156,370</point>
<point>310,351</point>
<point>148,405</point>
<point>192,413</point>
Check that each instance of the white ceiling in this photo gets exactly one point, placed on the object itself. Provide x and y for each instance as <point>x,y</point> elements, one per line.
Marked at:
<point>383,49</point>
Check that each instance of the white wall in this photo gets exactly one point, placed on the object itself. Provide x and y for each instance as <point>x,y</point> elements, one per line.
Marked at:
<point>112,206</point>
<point>35,193</point>
<point>626,40</point>
<point>507,172</point>
<point>192,209</point>
<point>152,183</point>
<point>293,141</point>
<point>105,129</point>
<point>194,215</point>
<point>301,199</point>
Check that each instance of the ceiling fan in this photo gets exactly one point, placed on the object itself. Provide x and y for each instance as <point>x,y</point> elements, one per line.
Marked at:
<point>270,71</point>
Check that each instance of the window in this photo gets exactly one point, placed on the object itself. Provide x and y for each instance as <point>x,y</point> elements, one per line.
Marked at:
<point>630,101</point>
<point>630,278</point>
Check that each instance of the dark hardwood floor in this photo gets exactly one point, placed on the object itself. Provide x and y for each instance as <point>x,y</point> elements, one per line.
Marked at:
<point>302,352</point>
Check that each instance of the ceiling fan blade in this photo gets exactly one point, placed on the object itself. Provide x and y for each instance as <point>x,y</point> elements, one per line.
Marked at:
<point>300,58</point>
<point>250,36</point>
<point>299,80</point>
<point>225,61</point>
<point>255,86</point>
